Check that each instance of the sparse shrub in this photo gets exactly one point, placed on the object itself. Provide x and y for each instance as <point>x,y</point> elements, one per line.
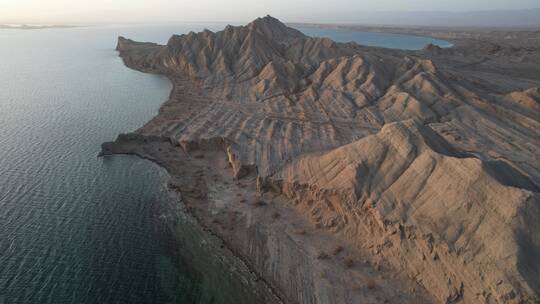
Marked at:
<point>300,232</point>
<point>370,284</point>
<point>337,250</point>
<point>260,203</point>
<point>275,215</point>
<point>349,262</point>
<point>322,255</point>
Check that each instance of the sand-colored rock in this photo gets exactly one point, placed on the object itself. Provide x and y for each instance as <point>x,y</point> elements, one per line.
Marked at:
<point>463,216</point>
<point>425,168</point>
<point>529,99</point>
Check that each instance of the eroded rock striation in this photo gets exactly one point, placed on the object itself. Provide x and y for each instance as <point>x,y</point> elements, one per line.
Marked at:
<point>430,172</point>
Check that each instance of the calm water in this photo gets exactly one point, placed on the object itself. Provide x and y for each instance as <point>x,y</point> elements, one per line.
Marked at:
<point>75,228</point>
<point>386,40</point>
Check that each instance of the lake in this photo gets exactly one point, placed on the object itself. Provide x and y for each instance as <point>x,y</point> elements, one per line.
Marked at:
<point>75,228</point>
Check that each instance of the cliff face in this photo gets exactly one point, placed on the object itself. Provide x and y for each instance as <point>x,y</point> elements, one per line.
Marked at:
<point>432,171</point>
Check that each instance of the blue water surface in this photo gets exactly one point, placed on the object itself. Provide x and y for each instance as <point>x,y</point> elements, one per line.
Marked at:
<point>385,40</point>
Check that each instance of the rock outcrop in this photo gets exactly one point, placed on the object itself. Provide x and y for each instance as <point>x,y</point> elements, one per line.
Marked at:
<point>446,217</point>
<point>434,171</point>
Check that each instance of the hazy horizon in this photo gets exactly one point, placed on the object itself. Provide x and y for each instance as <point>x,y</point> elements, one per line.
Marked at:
<point>340,11</point>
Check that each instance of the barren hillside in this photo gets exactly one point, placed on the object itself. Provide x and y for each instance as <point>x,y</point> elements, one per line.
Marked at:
<point>417,167</point>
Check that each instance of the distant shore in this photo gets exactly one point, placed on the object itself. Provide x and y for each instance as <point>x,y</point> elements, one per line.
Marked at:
<point>460,36</point>
<point>33,27</point>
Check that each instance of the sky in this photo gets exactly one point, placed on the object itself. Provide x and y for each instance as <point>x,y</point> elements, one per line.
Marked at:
<point>151,11</point>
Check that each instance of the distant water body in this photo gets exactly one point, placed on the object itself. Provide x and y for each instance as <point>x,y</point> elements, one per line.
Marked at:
<point>385,40</point>
<point>75,228</point>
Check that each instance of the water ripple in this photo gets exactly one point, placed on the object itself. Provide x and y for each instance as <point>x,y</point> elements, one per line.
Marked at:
<point>72,229</point>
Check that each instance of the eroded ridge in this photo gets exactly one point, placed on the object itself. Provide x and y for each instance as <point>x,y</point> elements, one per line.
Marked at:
<point>411,167</point>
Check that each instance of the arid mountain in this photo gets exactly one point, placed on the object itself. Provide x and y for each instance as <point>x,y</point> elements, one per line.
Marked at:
<point>448,218</point>
<point>428,170</point>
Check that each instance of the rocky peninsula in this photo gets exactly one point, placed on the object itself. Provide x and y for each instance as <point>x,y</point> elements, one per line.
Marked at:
<point>341,173</point>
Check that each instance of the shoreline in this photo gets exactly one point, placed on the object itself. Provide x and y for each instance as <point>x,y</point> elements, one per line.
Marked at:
<point>37,27</point>
<point>172,188</point>
<point>456,35</point>
<point>216,250</point>
<point>376,281</point>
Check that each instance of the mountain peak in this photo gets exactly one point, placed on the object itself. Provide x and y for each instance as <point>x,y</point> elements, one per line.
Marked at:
<point>272,27</point>
<point>267,19</point>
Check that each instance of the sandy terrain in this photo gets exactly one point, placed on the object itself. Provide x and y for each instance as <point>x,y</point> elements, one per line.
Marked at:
<point>346,174</point>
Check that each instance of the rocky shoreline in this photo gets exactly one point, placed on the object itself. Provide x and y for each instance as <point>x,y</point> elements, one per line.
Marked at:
<point>345,174</point>
<point>263,232</point>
